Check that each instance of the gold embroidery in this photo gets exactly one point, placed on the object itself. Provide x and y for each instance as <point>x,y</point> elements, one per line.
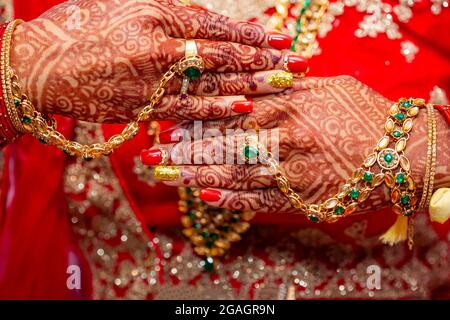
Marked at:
<point>120,254</point>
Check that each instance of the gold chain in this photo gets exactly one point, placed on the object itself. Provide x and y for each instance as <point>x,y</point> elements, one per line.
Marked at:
<point>311,13</point>
<point>306,26</point>
<point>29,120</point>
<point>388,154</point>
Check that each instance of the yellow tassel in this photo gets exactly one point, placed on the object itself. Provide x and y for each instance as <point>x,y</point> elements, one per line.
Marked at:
<point>440,205</point>
<point>397,232</point>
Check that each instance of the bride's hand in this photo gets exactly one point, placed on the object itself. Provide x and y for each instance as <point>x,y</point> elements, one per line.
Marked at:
<point>324,130</point>
<point>100,60</point>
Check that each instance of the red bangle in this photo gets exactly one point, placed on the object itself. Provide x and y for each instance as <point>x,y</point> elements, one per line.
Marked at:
<point>7,131</point>
<point>444,110</point>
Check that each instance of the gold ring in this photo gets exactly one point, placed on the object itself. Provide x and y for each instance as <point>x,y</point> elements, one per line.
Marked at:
<point>167,173</point>
<point>190,67</point>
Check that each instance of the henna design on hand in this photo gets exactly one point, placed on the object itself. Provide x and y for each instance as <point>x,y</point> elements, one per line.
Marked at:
<point>106,70</point>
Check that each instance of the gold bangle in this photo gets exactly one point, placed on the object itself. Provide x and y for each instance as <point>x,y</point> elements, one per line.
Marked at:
<point>433,158</point>
<point>11,103</point>
<point>426,178</point>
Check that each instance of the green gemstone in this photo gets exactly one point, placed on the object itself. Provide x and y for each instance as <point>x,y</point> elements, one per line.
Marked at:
<point>190,203</point>
<point>400,116</point>
<point>339,210</point>
<point>400,177</point>
<point>26,120</point>
<point>354,193</point>
<point>368,176</point>
<point>388,157</point>
<point>67,152</point>
<point>205,234</point>
<point>406,104</point>
<point>313,218</point>
<point>251,152</point>
<point>193,73</point>
<point>88,159</point>
<point>208,264</point>
<point>17,103</point>
<point>294,43</point>
<point>197,225</point>
<point>234,220</point>
<point>224,228</point>
<point>209,243</point>
<point>192,215</point>
<point>397,134</point>
<point>214,236</point>
<point>42,140</point>
<point>188,190</point>
<point>404,199</point>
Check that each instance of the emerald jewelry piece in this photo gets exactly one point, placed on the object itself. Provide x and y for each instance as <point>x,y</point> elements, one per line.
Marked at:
<point>190,67</point>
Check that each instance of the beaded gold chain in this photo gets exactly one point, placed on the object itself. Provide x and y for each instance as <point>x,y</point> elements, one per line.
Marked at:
<point>306,26</point>
<point>393,168</point>
<point>27,119</point>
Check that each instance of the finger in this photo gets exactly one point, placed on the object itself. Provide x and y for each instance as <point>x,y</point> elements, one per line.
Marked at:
<point>220,56</point>
<point>216,148</point>
<point>194,22</point>
<point>224,84</point>
<point>267,114</point>
<point>233,177</point>
<point>173,107</point>
<point>261,201</point>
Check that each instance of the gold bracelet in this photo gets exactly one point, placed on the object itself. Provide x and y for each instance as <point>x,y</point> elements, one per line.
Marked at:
<point>433,157</point>
<point>366,178</point>
<point>28,120</point>
<point>426,179</point>
<point>6,79</point>
<point>428,161</point>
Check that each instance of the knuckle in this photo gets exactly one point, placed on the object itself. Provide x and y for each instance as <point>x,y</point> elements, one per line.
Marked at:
<point>239,176</point>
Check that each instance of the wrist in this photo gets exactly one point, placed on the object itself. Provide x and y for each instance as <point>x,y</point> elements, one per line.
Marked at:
<point>442,151</point>
<point>24,58</point>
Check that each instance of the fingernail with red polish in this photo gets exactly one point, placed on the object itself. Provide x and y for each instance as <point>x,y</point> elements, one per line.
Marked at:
<point>279,41</point>
<point>170,136</point>
<point>151,157</point>
<point>297,64</point>
<point>210,195</point>
<point>245,106</point>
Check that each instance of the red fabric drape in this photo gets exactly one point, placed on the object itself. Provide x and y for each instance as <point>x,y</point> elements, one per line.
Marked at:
<point>36,245</point>
<point>30,9</point>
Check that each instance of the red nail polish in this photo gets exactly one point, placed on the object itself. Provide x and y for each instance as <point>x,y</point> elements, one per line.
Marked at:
<point>170,136</point>
<point>297,64</point>
<point>279,41</point>
<point>151,157</point>
<point>242,106</point>
<point>210,195</point>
